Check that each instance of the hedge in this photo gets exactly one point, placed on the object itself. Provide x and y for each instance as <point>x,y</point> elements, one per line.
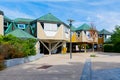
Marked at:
<point>13,47</point>
<point>117,47</point>
<point>108,47</point>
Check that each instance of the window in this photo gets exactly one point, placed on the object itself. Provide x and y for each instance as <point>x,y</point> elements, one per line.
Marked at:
<point>21,26</point>
<point>100,45</point>
<point>78,33</point>
<point>66,30</point>
<point>50,27</point>
<point>58,25</point>
<point>88,34</point>
<point>33,25</point>
<point>42,24</point>
<point>100,35</point>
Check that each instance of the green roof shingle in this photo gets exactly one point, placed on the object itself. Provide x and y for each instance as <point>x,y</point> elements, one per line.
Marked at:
<point>49,18</point>
<point>20,34</point>
<point>73,28</point>
<point>7,19</point>
<point>22,20</point>
<point>103,31</point>
<point>84,27</point>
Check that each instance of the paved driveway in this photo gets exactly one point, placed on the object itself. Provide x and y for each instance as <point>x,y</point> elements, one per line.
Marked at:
<point>60,68</point>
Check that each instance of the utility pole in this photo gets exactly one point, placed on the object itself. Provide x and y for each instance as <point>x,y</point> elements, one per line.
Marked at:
<point>70,25</point>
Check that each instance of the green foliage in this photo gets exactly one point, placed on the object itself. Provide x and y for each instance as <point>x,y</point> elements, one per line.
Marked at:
<point>81,46</point>
<point>116,35</point>
<point>92,55</point>
<point>12,47</point>
<point>117,47</point>
<point>108,47</point>
<point>116,39</point>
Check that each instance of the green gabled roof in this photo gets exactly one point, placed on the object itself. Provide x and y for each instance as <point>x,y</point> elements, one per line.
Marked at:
<point>49,18</point>
<point>22,20</point>
<point>103,31</point>
<point>73,28</point>
<point>20,34</point>
<point>7,19</point>
<point>84,27</point>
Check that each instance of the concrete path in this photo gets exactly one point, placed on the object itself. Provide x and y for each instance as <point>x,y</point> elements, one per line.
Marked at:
<point>106,66</point>
<point>62,68</point>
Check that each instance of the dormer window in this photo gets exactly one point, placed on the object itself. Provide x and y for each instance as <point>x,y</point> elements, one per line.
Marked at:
<point>21,26</point>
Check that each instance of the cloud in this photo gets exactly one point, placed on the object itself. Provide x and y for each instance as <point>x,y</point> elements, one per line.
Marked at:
<point>107,20</point>
<point>102,2</point>
<point>82,11</point>
<point>14,13</point>
<point>102,20</point>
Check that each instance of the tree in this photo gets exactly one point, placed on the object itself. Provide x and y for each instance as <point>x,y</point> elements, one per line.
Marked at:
<point>116,35</point>
<point>93,34</point>
<point>116,38</point>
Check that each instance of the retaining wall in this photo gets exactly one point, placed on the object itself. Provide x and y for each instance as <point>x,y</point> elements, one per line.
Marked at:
<point>17,61</point>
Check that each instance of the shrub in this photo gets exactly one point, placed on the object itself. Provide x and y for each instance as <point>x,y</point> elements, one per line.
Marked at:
<point>12,47</point>
<point>108,47</point>
<point>117,47</point>
<point>2,66</point>
<point>92,55</point>
<point>9,52</point>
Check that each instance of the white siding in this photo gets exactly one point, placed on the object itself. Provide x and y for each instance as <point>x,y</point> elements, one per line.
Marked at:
<point>50,33</point>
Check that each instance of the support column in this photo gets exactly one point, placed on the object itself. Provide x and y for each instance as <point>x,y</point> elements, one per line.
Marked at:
<point>93,47</point>
<point>37,46</point>
<point>50,49</point>
<point>64,49</point>
<point>85,48</point>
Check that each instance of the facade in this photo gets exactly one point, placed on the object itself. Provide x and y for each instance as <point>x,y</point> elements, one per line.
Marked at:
<point>53,35</point>
<point>49,30</point>
<point>52,32</point>
<point>103,36</point>
<point>84,35</point>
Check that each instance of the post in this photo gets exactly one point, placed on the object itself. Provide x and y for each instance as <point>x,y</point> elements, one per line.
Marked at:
<point>93,47</point>
<point>85,47</point>
<point>70,24</point>
<point>49,48</point>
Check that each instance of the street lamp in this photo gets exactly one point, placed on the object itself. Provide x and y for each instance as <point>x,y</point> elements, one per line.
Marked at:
<point>70,24</point>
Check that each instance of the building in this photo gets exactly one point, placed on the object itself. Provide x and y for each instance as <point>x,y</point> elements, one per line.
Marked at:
<point>51,32</point>
<point>84,35</point>
<point>103,36</point>
<point>53,35</point>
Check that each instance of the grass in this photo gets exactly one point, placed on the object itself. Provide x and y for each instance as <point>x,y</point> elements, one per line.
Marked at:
<point>92,55</point>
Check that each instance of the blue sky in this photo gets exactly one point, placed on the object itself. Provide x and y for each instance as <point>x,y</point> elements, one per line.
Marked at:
<point>102,13</point>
